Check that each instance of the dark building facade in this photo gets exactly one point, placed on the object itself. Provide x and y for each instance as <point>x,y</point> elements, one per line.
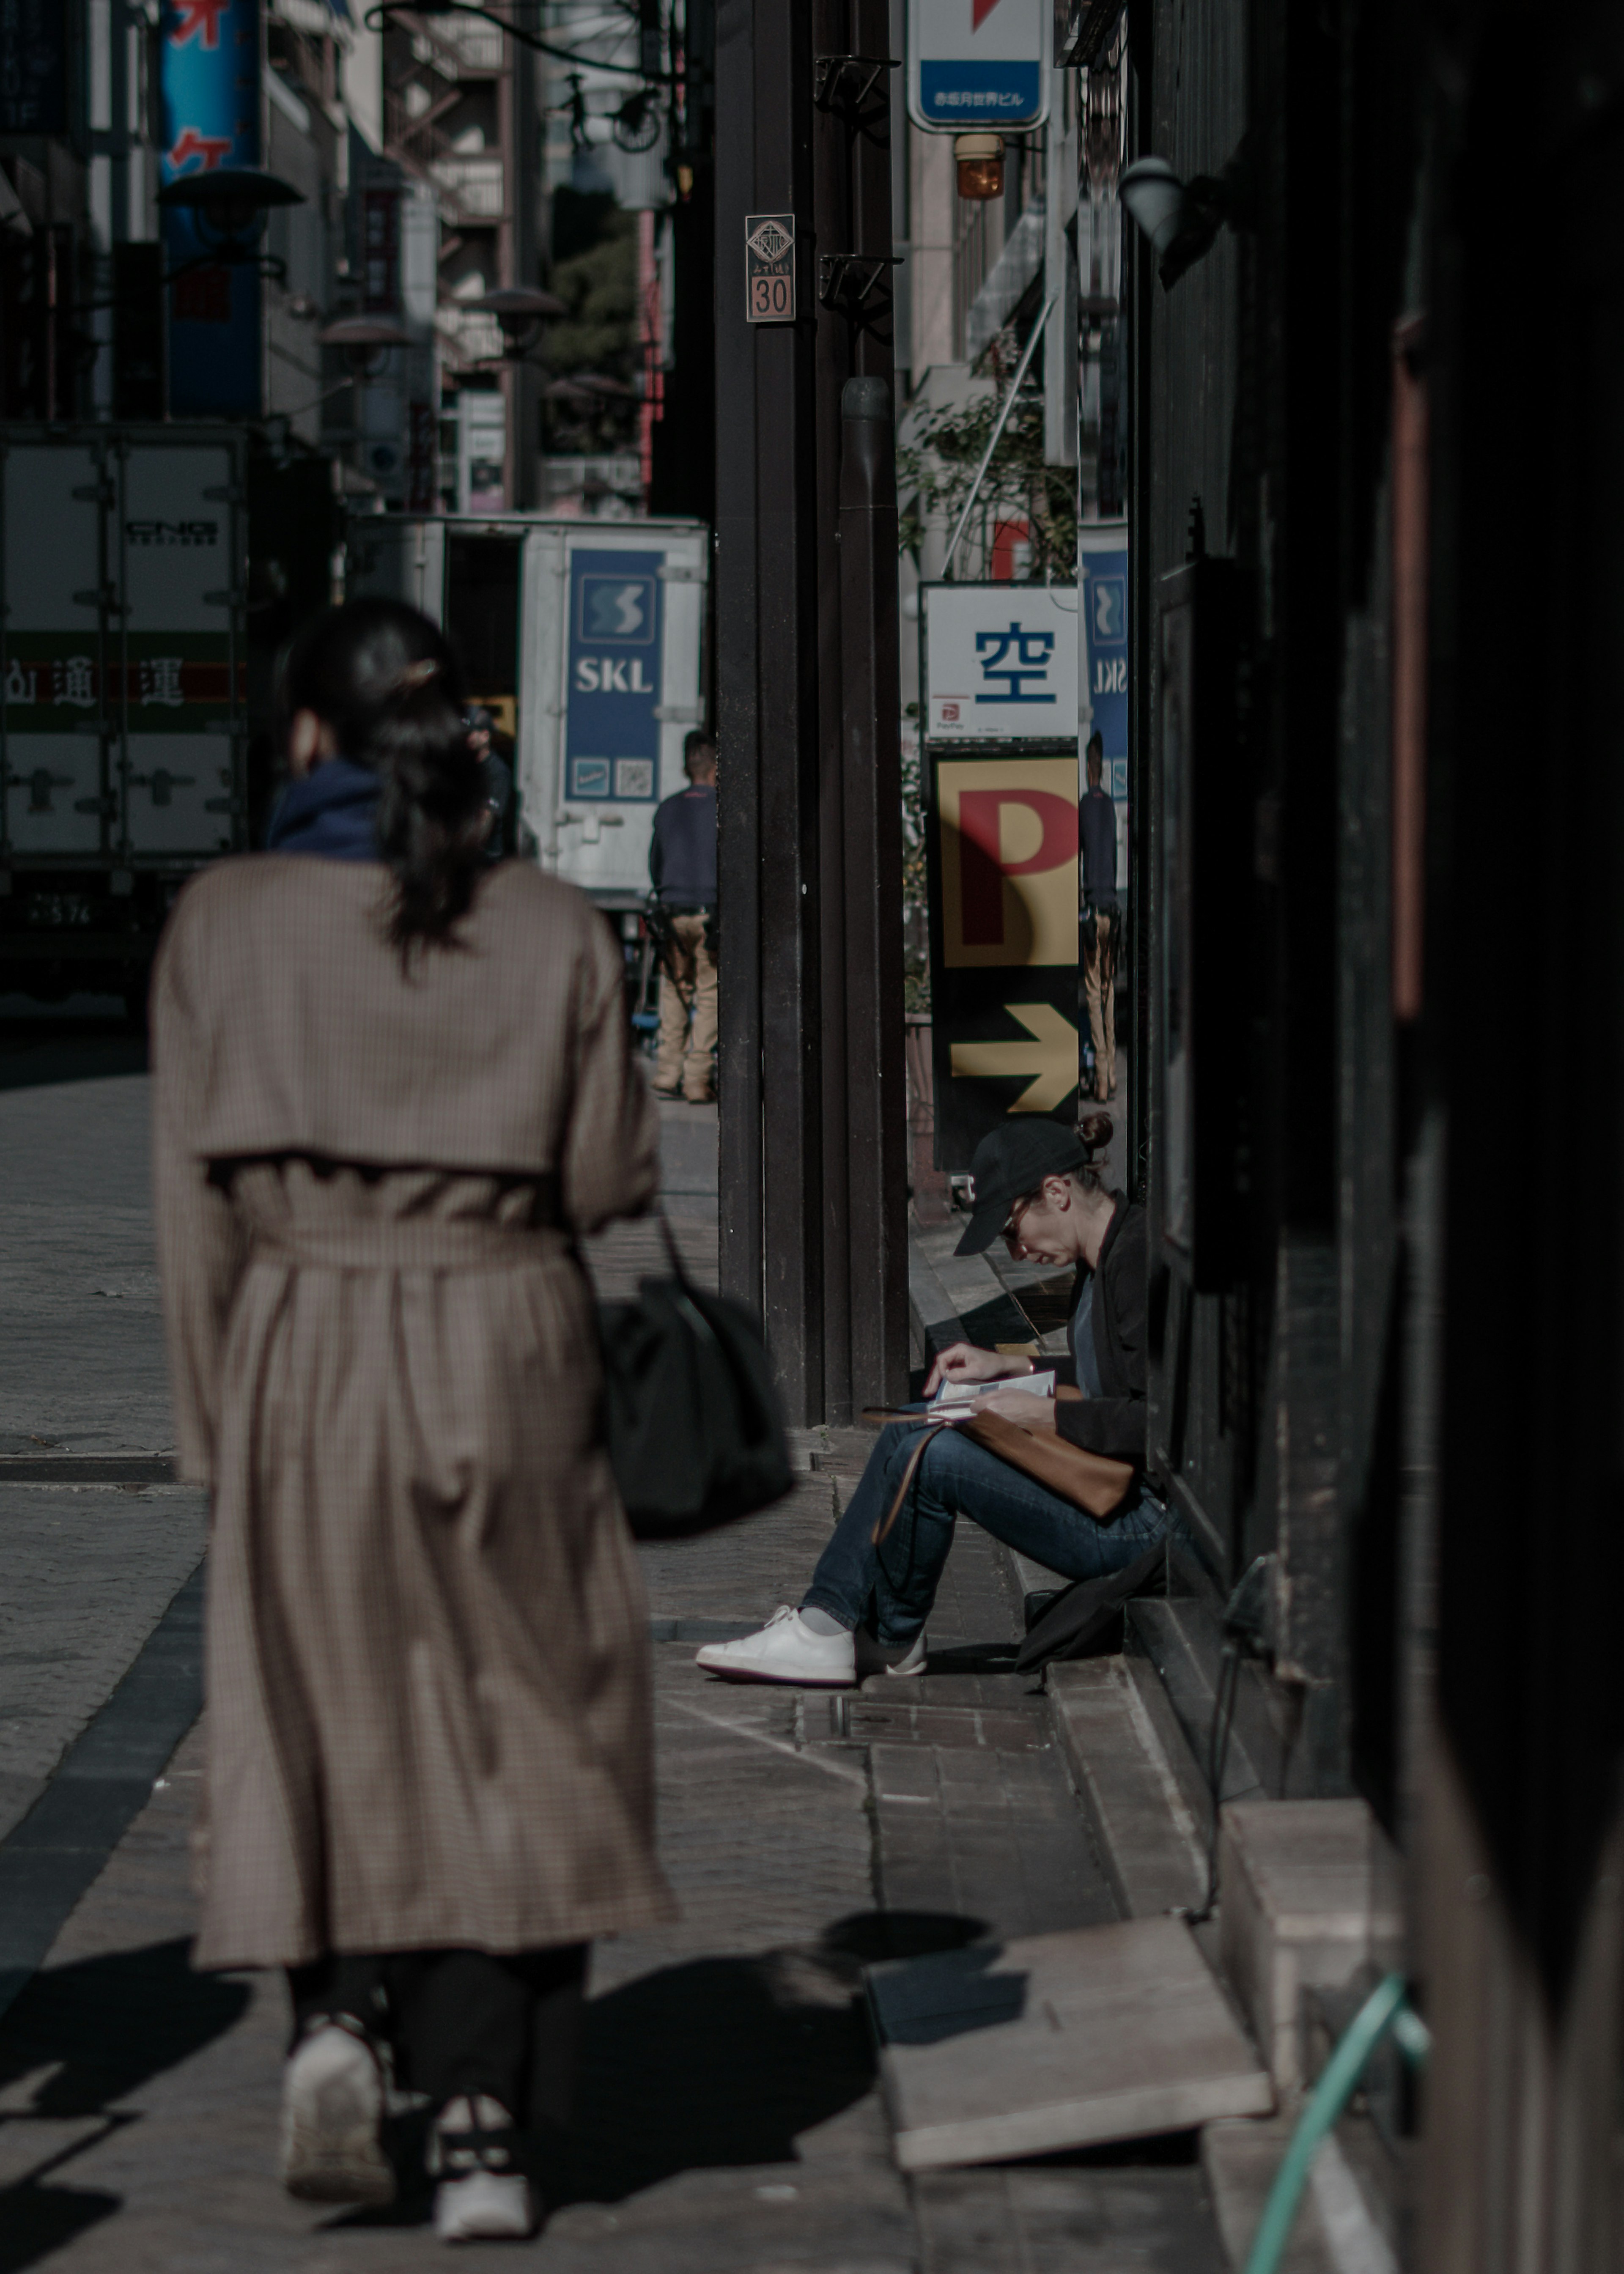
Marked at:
<point>1376,888</point>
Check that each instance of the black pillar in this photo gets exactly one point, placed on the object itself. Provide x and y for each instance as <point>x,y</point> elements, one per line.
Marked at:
<point>812,1160</point>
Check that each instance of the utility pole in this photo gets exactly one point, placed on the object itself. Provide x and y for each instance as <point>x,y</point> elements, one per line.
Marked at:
<point>812,1153</point>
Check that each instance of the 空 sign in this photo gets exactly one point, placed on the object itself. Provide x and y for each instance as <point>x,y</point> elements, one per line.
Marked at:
<point>978,63</point>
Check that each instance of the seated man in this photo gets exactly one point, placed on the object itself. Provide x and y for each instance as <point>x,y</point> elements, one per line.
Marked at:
<point>867,1606</point>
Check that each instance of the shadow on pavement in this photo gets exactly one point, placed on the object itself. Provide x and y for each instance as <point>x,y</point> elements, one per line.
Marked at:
<point>94,2032</point>
<point>724,2061</point>
<point>56,1047</point>
<point>715,2064</point>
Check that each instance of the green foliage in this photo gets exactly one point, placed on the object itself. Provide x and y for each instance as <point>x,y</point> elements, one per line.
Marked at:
<point>915,887</point>
<point>598,287</point>
<point>934,471</point>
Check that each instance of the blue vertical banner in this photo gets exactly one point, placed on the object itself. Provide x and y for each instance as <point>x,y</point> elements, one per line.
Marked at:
<point>211,118</point>
<point>612,743</point>
<point>1103,561</point>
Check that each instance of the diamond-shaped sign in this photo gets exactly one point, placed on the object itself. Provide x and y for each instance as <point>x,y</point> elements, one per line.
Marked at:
<point>771,240</point>
<point>770,269</point>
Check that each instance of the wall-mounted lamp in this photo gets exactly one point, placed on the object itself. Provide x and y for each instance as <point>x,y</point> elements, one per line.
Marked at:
<point>1181,219</point>
<point>980,159</point>
<point>365,341</point>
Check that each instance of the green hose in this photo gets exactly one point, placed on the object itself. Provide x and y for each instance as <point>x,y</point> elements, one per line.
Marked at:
<point>1385,2008</point>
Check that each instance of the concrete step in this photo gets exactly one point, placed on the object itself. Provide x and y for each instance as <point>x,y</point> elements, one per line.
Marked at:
<point>1149,1840</point>
<point>1110,2032</point>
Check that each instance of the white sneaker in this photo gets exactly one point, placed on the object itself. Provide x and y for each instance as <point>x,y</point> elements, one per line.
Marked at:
<point>785,1650</point>
<point>871,1658</point>
<point>480,2198</point>
<point>332,2105</point>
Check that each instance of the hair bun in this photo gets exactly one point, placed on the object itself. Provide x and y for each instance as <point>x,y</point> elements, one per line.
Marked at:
<point>1094,1132</point>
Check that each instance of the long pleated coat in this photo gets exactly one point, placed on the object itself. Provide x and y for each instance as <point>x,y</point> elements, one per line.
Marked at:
<point>427,1680</point>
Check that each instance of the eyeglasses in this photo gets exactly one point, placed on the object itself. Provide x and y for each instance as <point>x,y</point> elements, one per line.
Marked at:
<point>1011,1229</point>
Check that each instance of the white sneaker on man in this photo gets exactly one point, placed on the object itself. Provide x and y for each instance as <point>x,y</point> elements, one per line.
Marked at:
<point>787,1649</point>
<point>332,2106</point>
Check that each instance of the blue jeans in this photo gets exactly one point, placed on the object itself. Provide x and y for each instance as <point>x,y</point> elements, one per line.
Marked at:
<point>899,1578</point>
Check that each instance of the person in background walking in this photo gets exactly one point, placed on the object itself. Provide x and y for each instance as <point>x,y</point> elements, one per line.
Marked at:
<point>393,1088</point>
<point>1101,916</point>
<point>497,774</point>
<point>682,865</point>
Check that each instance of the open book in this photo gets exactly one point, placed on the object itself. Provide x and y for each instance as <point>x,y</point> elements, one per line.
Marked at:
<point>965,1393</point>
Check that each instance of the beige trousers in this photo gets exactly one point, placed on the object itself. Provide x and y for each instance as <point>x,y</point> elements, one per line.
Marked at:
<point>1100,994</point>
<point>685,1051</point>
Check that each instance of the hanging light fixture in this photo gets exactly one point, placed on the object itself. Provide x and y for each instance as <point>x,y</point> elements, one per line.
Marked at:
<point>980,159</point>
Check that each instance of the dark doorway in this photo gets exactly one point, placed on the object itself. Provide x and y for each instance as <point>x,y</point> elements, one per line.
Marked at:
<point>482,620</point>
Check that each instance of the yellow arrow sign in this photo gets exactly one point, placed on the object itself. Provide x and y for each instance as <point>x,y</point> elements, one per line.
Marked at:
<point>1051,1056</point>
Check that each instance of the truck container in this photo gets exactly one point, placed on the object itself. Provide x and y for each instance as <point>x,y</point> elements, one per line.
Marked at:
<point>123,725</point>
<point>584,640</point>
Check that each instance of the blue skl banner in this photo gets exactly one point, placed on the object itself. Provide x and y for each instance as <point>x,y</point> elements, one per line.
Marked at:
<point>616,654</point>
<point>210,76</point>
<point>1104,610</point>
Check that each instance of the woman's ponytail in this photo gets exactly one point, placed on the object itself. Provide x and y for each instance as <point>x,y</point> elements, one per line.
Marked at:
<point>381,675</point>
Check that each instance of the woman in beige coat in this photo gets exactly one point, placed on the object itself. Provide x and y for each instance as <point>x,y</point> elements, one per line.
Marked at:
<point>393,1087</point>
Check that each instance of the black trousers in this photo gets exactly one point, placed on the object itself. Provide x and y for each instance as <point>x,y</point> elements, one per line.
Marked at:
<point>464,2020</point>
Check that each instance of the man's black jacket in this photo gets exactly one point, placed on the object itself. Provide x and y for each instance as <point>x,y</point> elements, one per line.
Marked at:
<point>1115,1423</point>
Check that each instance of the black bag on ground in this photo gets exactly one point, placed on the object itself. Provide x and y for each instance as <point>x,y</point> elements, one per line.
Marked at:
<point>1076,1620</point>
<point>694,1429</point>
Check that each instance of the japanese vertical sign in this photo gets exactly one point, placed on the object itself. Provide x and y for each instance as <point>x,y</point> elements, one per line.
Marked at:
<point>211,118</point>
<point>616,666</point>
<point>999,676</point>
<point>1103,623</point>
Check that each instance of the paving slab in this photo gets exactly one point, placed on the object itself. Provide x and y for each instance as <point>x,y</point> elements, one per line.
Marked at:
<point>89,1570</point>
<point>1071,2215</point>
<point>1345,2224</point>
<point>1057,2041</point>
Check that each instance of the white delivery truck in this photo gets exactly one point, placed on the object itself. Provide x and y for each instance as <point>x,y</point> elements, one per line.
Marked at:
<point>585,641</point>
<point>122,668</point>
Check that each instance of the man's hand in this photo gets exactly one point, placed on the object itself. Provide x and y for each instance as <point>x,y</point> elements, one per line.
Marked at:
<point>1018,1405</point>
<point>963,1362</point>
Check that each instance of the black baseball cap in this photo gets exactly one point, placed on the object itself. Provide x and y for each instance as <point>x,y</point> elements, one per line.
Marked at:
<point>1009,1164</point>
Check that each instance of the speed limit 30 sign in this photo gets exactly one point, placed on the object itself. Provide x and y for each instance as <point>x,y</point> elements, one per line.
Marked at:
<point>770,269</point>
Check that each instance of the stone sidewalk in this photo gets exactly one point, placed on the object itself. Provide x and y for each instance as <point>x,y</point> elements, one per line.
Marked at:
<point>729,2120</point>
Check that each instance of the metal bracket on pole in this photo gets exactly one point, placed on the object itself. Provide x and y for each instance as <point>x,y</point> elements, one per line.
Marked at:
<point>849,280</point>
<point>1000,423</point>
<point>830,78</point>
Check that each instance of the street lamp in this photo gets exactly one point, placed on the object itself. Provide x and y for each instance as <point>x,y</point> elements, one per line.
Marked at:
<point>228,208</point>
<point>521,311</point>
<point>365,342</point>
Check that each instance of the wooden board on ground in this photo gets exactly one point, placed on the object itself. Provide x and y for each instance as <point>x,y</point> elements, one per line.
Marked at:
<point>1057,2041</point>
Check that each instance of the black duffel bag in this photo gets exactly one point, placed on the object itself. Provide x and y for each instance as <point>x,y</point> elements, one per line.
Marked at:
<point>695,1428</point>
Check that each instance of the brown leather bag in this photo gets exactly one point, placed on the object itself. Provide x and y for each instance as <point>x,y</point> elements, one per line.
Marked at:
<point>1090,1481</point>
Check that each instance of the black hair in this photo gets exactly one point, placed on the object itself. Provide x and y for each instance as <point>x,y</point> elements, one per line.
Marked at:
<point>1093,1134</point>
<point>1095,752</point>
<point>695,740</point>
<point>381,676</point>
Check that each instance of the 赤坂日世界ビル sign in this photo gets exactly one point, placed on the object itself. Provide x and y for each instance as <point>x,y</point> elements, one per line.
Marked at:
<point>977,63</point>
